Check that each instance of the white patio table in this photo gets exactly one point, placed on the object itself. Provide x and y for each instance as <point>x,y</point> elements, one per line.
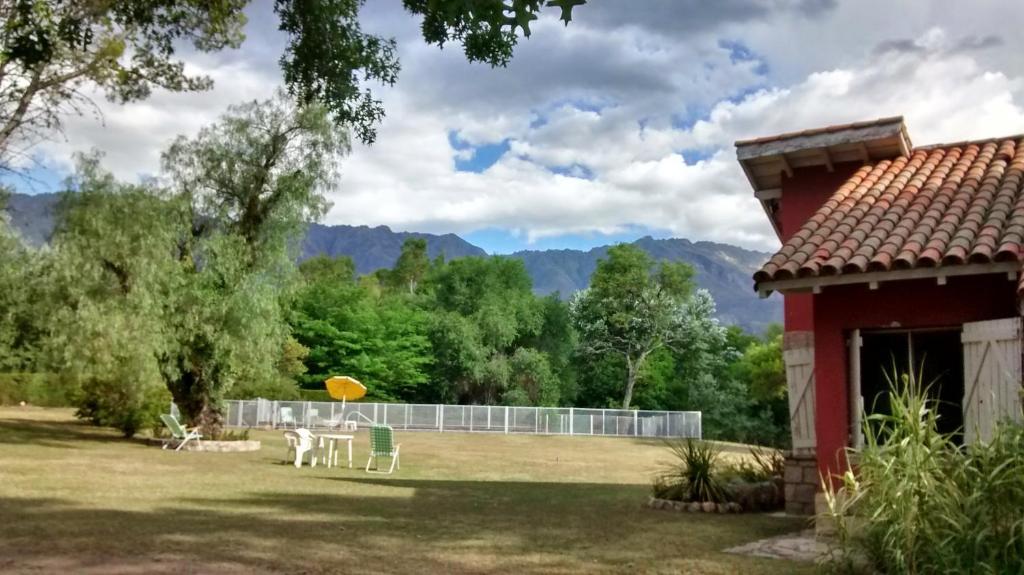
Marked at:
<point>332,447</point>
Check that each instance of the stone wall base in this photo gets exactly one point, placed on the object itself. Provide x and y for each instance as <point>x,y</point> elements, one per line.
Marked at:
<point>802,482</point>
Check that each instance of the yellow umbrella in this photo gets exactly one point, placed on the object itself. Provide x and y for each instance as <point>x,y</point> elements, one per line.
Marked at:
<point>344,388</point>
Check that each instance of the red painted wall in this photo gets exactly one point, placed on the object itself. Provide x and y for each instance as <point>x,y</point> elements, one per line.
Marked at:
<point>802,195</point>
<point>899,304</point>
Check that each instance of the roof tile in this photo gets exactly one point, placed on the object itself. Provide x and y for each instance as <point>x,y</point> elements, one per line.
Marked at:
<point>942,205</point>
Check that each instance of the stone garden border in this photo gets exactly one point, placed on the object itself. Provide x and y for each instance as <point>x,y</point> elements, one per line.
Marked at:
<point>694,506</point>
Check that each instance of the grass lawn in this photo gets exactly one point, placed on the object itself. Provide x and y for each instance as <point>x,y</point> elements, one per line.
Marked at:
<point>77,498</point>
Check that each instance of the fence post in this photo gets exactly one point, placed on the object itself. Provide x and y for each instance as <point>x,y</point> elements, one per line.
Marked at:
<point>273,414</point>
<point>440,419</point>
<point>406,416</point>
<point>506,419</point>
<point>591,424</point>
<point>488,418</point>
<point>536,419</point>
<point>604,421</point>
<point>636,423</point>
<point>470,417</point>
<point>572,422</point>
<point>241,408</point>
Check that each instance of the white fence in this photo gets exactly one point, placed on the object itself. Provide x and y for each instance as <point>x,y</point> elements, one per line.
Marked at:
<point>469,418</point>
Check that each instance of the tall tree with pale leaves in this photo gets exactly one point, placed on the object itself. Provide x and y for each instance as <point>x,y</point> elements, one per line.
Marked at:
<point>632,308</point>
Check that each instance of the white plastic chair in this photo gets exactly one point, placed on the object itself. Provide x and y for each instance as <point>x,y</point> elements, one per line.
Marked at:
<point>300,442</point>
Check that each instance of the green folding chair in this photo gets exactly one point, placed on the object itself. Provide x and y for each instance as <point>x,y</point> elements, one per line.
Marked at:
<point>179,433</point>
<point>382,444</point>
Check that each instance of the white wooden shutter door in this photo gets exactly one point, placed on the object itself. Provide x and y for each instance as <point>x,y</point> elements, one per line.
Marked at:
<point>799,359</point>
<point>992,376</point>
<point>856,398</point>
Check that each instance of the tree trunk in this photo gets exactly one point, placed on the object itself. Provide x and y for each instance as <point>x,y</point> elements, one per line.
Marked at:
<point>632,369</point>
<point>193,397</point>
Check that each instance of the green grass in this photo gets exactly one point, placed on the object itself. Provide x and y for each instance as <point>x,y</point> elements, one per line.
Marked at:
<point>78,498</point>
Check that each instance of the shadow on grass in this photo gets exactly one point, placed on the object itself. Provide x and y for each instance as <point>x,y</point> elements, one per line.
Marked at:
<point>63,434</point>
<point>385,524</point>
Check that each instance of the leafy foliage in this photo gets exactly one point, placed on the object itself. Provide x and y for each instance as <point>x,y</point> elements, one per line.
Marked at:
<point>18,329</point>
<point>920,503</point>
<point>50,50</point>
<point>351,331</point>
<point>179,286</point>
<point>632,309</point>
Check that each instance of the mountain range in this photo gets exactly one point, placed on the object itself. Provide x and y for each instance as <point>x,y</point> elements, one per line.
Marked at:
<point>722,269</point>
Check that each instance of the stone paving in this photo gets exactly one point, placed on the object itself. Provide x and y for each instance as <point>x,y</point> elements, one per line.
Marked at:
<point>800,546</point>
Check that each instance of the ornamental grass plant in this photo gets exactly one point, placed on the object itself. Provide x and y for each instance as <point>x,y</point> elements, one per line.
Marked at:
<point>692,475</point>
<point>919,503</point>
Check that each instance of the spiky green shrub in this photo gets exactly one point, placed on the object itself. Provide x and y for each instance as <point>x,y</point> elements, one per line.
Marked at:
<point>920,503</point>
<point>692,474</point>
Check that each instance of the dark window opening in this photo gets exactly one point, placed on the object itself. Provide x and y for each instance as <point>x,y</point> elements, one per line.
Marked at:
<point>936,355</point>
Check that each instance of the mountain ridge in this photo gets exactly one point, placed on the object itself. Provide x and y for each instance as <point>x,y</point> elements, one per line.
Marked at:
<point>723,269</point>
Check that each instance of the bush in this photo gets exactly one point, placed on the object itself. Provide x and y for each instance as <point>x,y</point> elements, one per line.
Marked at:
<point>919,503</point>
<point>41,389</point>
<point>125,406</point>
<point>693,475</point>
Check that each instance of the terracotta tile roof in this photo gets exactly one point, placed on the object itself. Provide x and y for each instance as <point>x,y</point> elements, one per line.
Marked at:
<point>943,205</point>
<point>819,131</point>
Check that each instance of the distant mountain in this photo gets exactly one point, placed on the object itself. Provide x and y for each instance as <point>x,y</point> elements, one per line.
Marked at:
<point>370,248</point>
<point>722,269</point>
<point>33,216</point>
<point>374,248</point>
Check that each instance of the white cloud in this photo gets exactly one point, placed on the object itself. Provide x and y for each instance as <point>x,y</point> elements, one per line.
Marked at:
<point>133,135</point>
<point>640,178</point>
<point>616,101</point>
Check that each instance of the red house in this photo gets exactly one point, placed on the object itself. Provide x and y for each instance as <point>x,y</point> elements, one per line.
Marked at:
<point>892,255</point>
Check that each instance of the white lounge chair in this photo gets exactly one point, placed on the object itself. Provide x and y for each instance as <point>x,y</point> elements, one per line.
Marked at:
<point>179,433</point>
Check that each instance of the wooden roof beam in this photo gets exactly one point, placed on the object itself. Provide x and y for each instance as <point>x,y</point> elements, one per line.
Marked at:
<point>828,160</point>
<point>785,165</point>
<point>865,156</point>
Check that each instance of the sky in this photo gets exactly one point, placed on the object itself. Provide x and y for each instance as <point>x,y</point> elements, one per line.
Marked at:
<point>618,126</point>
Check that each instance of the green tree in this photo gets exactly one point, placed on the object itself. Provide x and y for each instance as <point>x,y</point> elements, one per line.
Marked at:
<point>327,269</point>
<point>483,310</point>
<point>349,330</point>
<point>531,380</point>
<point>412,265</point>
<point>557,340</point>
<point>633,308</point>
<point>51,49</point>
<point>15,297</point>
<point>194,274</point>
<point>246,187</point>
<point>107,293</point>
<point>761,366</point>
